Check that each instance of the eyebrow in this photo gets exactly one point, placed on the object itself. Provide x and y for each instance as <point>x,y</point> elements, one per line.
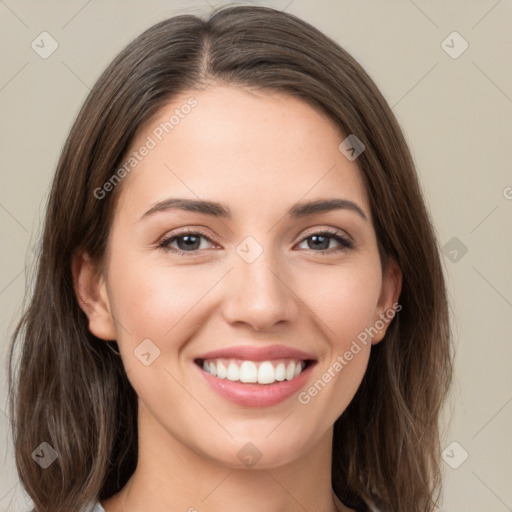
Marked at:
<point>215,209</point>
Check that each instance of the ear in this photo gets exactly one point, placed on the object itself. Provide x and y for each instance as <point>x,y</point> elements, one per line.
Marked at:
<point>91,291</point>
<point>387,305</point>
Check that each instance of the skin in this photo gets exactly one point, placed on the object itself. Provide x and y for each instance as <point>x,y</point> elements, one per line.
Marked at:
<point>258,153</point>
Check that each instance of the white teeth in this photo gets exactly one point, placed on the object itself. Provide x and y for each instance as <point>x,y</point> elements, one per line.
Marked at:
<point>290,371</point>
<point>280,372</point>
<point>265,372</point>
<point>233,372</point>
<point>248,372</point>
<point>221,370</point>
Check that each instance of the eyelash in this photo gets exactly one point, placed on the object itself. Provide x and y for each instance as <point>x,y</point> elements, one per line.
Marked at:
<point>345,242</point>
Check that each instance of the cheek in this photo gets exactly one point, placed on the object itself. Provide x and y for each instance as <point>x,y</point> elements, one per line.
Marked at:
<point>344,302</point>
<point>343,299</point>
<point>163,302</point>
<point>156,310</point>
<point>151,300</point>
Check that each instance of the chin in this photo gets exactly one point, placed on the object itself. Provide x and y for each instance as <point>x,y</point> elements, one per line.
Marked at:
<point>256,453</point>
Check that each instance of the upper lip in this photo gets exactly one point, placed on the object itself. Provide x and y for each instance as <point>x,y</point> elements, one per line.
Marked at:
<point>251,353</point>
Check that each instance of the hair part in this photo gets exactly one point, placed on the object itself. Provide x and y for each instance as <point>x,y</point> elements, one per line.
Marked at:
<point>71,389</point>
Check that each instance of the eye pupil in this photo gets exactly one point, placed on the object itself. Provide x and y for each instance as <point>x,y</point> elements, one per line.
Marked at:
<point>323,245</point>
<point>190,242</point>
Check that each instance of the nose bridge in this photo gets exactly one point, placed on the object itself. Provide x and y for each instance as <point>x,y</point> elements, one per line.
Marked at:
<point>257,292</point>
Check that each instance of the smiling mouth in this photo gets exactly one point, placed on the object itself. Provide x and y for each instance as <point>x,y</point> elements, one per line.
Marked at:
<point>254,372</point>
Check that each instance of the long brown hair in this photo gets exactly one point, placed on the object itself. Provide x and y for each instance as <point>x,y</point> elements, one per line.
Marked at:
<point>70,388</point>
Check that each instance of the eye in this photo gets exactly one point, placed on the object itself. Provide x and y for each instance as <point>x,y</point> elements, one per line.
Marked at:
<point>320,241</point>
<point>187,241</point>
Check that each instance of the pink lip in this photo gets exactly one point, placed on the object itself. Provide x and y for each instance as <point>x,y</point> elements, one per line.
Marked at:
<point>256,395</point>
<point>257,353</point>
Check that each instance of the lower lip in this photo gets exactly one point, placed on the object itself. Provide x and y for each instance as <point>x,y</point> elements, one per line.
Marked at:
<point>256,395</point>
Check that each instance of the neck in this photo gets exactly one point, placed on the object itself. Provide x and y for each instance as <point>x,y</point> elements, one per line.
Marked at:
<point>171,476</point>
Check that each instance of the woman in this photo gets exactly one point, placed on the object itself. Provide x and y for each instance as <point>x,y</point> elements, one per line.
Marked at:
<point>239,300</point>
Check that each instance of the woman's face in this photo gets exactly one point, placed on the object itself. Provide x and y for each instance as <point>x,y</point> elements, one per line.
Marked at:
<point>249,280</point>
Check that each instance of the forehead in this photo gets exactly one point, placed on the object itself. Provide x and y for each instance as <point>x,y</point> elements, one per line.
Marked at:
<point>255,150</point>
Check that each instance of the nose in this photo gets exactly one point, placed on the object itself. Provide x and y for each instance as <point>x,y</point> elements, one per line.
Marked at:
<point>259,294</point>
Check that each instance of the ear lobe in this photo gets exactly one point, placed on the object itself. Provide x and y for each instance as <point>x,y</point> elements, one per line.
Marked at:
<point>387,305</point>
<point>91,292</point>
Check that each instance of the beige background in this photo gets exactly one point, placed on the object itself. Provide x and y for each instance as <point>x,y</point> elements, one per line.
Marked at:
<point>457,117</point>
